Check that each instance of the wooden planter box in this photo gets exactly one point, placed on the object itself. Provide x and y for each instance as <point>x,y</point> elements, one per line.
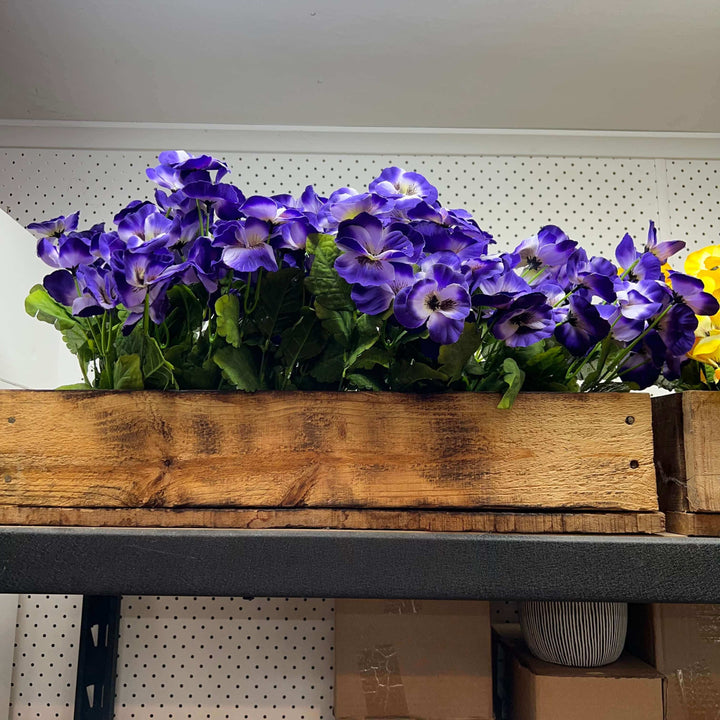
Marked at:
<point>686,430</point>
<point>579,463</point>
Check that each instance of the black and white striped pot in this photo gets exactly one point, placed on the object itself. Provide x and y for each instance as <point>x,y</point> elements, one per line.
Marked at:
<point>579,634</point>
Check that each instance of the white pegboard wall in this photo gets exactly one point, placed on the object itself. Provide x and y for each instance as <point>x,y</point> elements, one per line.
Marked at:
<point>219,658</point>
<point>595,200</point>
<point>694,200</point>
<point>45,658</point>
<point>184,657</point>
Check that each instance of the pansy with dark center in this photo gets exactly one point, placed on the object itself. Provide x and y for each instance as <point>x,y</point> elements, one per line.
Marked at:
<point>370,251</point>
<point>440,299</point>
<point>544,253</point>
<point>527,320</point>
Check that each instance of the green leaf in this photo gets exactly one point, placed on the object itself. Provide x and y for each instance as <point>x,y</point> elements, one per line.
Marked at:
<point>127,374</point>
<point>227,310</point>
<point>187,311</point>
<point>300,342</point>
<point>324,282</point>
<point>376,355</point>
<point>330,365</point>
<point>404,374</point>
<point>367,333</point>
<point>75,338</point>
<point>157,372</point>
<point>280,299</point>
<point>339,323</point>
<point>514,378</point>
<point>362,382</point>
<point>75,386</point>
<point>238,367</point>
<point>312,242</point>
<point>40,305</point>
<point>453,358</point>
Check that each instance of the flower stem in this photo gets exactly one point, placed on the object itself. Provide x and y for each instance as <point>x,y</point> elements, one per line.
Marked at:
<point>146,315</point>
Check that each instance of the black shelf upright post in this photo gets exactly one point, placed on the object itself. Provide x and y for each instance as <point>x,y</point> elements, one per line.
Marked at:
<point>97,657</point>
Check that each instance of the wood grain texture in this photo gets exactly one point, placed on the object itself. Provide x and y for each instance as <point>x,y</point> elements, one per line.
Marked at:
<point>694,524</point>
<point>381,450</point>
<point>429,520</point>
<point>667,420</point>
<point>701,423</point>
<point>687,451</point>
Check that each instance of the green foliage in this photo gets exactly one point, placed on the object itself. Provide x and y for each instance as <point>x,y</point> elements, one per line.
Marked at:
<point>127,373</point>
<point>331,291</point>
<point>238,368</point>
<point>513,377</point>
<point>227,312</point>
<point>454,358</point>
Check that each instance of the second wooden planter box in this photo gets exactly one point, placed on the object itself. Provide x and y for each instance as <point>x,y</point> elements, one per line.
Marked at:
<point>687,455</point>
<point>554,462</point>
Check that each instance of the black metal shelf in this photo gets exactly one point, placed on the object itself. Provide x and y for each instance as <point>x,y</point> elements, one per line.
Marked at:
<point>341,563</point>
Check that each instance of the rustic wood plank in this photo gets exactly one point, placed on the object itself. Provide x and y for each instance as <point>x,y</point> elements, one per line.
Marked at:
<point>694,524</point>
<point>687,454</point>
<point>701,420</point>
<point>430,520</point>
<point>667,421</point>
<point>290,449</point>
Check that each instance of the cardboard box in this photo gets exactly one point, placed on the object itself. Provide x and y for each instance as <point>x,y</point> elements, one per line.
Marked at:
<point>628,689</point>
<point>419,659</point>
<point>683,643</point>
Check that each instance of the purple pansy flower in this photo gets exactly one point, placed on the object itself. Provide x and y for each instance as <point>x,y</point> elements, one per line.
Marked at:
<point>594,279</point>
<point>690,291</point>
<point>440,299</point>
<point>376,299</point>
<point>54,228</point>
<point>677,329</point>
<point>499,290</point>
<point>99,291</point>
<point>370,251</point>
<point>245,245</point>
<point>642,366</point>
<point>583,327</point>
<point>350,207</point>
<point>203,264</point>
<point>147,227</point>
<point>69,252</point>
<point>545,252</point>
<point>268,210</point>
<point>186,163</point>
<point>61,287</point>
<point>222,199</point>
<point>403,186</point>
<point>664,250</point>
<point>527,320</point>
<point>144,272</point>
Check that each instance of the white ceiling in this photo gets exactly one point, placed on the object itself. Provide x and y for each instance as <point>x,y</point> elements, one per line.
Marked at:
<point>561,64</point>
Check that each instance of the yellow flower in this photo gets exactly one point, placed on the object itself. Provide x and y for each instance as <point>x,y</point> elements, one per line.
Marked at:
<point>705,264</point>
<point>706,259</point>
<point>707,340</point>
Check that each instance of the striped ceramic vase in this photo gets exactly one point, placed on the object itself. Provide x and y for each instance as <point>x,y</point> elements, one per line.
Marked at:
<point>580,634</point>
